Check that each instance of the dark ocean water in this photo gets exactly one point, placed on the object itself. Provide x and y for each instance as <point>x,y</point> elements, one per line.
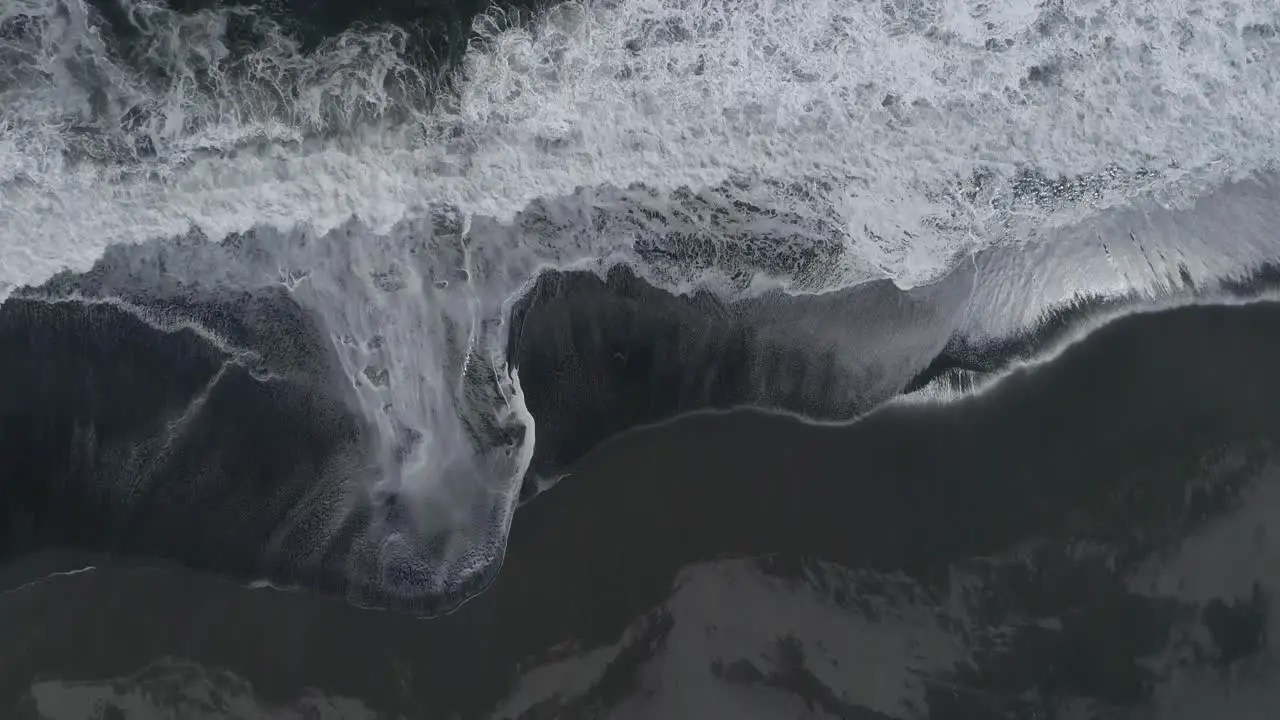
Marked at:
<point>1094,535</point>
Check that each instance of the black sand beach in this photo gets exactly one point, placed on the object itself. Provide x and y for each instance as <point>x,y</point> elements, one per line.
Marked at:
<point>1091,535</point>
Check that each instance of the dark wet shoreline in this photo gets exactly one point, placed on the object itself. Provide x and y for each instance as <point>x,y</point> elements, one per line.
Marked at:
<point>139,440</point>
<point>1106,446</point>
<point>89,390</point>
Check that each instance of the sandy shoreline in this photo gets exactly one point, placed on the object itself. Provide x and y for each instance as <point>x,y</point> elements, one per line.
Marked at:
<point>1128,443</point>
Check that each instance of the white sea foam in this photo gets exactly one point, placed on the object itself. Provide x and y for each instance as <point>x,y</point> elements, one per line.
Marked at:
<point>875,117</point>
<point>754,143</point>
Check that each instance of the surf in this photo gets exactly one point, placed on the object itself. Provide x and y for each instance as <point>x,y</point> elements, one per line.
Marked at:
<point>748,149</point>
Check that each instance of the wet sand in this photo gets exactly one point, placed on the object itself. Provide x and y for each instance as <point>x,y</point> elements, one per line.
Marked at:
<point>1015,544</point>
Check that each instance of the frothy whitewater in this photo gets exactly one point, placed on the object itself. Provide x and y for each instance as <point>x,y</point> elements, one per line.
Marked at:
<point>735,146</point>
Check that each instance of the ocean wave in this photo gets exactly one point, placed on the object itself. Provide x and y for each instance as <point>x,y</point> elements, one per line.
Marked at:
<point>982,162</point>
